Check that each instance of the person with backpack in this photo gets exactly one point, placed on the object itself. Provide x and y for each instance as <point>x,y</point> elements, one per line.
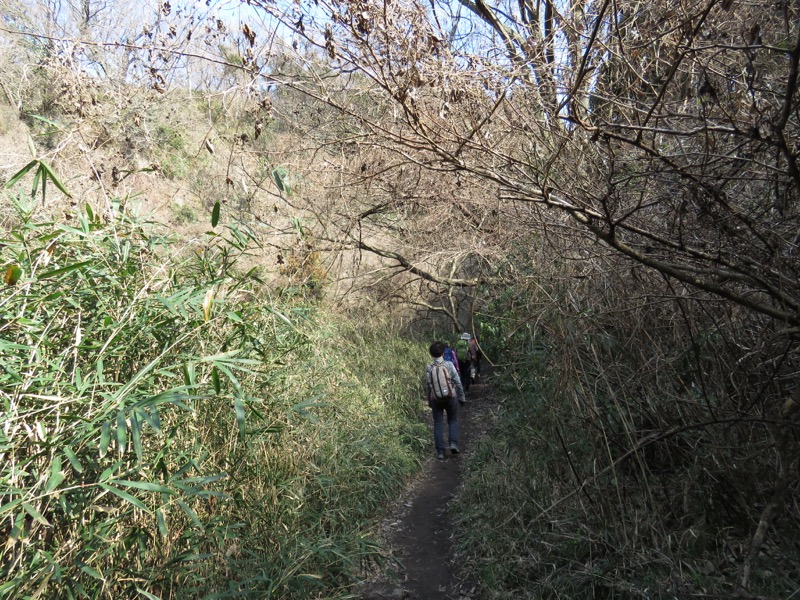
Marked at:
<point>444,393</point>
<point>464,359</point>
<point>450,356</point>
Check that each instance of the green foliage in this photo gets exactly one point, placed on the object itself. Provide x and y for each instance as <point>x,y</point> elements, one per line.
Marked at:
<point>40,94</point>
<point>42,173</point>
<point>184,214</point>
<point>169,137</point>
<point>174,158</point>
<point>174,166</point>
<point>170,432</point>
<point>281,177</point>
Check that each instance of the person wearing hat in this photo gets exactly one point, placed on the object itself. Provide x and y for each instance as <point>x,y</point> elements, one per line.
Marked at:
<point>463,355</point>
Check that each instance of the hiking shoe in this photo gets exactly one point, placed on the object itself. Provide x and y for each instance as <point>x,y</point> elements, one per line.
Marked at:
<point>453,447</point>
<point>440,456</point>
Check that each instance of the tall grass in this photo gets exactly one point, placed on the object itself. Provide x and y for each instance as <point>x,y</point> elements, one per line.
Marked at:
<point>174,428</point>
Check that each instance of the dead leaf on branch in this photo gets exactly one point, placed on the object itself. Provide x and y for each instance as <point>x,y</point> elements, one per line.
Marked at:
<point>329,41</point>
<point>249,34</point>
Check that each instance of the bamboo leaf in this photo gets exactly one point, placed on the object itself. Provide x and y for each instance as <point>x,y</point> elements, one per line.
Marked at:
<point>66,269</point>
<point>147,486</point>
<point>90,571</point>
<point>37,516</point>
<point>161,522</point>
<point>221,356</point>
<point>152,418</point>
<point>277,174</point>
<point>49,173</point>
<point>200,479</point>
<point>281,316</point>
<point>125,496</point>
<point>44,182</point>
<point>229,359</point>
<point>122,432</point>
<point>107,473</point>
<point>215,214</point>
<point>10,506</point>
<point>189,374</point>
<point>231,377</point>
<point>190,513</point>
<point>43,120</point>
<point>21,173</point>
<point>302,408</point>
<point>6,345</point>
<point>105,439</point>
<point>73,459</point>
<point>56,475</point>
<point>238,406</point>
<point>240,240</point>
<point>215,380</point>
<point>173,396</point>
<point>136,434</point>
<point>36,178</point>
<point>13,275</point>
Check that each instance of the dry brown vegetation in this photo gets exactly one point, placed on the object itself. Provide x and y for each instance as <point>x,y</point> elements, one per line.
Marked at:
<point>617,185</point>
<point>608,191</point>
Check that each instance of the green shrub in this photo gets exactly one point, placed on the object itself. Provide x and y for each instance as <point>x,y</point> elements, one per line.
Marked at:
<point>184,214</point>
<point>170,430</point>
<point>169,138</point>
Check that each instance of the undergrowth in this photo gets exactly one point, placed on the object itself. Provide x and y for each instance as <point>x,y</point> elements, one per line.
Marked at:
<point>172,427</point>
<point>630,459</point>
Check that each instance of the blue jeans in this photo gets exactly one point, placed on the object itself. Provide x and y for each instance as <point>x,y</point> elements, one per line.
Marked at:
<point>438,423</point>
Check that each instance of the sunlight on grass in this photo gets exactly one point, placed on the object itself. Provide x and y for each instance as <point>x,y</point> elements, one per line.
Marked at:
<point>161,440</point>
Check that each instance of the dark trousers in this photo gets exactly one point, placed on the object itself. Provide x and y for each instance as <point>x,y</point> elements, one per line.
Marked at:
<point>463,367</point>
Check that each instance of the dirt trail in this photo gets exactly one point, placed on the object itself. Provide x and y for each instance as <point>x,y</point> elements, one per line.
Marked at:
<point>419,533</point>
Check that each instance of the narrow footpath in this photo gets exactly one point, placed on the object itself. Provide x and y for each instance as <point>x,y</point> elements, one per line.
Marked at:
<point>419,532</point>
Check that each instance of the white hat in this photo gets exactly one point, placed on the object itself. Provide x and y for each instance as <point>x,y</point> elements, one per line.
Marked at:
<point>465,336</point>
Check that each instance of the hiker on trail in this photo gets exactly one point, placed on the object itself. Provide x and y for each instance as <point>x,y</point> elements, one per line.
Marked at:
<point>450,355</point>
<point>475,356</point>
<point>464,360</point>
<point>444,393</point>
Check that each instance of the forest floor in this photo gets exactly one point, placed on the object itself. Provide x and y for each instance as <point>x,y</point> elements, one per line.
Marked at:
<point>418,532</point>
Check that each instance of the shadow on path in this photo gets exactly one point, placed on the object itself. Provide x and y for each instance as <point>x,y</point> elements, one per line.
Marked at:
<point>419,531</point>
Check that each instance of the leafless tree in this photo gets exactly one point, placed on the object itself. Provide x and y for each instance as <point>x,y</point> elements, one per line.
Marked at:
<point>665,132</point>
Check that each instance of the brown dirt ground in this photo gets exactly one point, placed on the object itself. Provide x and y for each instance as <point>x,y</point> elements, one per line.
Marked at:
<point>418,531</point>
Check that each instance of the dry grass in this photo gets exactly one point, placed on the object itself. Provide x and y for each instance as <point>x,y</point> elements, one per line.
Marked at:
<point>637,451</point>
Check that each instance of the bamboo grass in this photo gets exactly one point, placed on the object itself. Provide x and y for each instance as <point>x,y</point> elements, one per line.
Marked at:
<point>170,430</point>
